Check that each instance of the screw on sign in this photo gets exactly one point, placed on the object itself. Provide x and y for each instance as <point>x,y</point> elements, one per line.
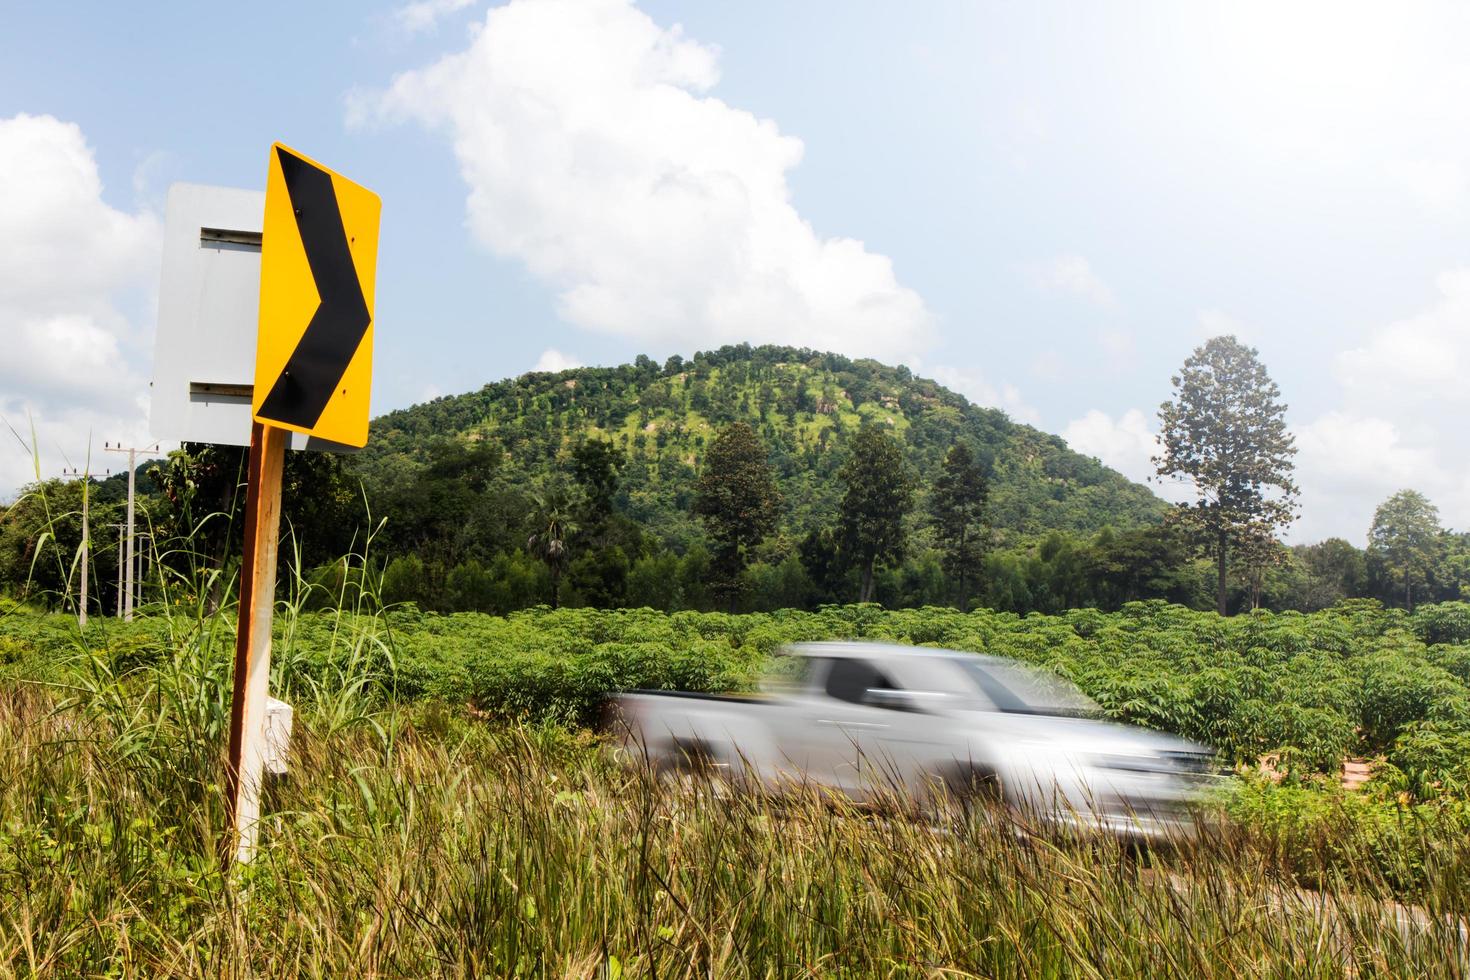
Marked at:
<point>313,374</point>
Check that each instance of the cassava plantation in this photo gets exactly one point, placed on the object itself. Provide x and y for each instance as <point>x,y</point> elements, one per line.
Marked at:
<point>449,811</point>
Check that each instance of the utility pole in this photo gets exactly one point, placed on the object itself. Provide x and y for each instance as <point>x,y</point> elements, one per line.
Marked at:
<point>120,526</point>
<point>132,452</point>
<point>86,479</point>
<point>140,575</point>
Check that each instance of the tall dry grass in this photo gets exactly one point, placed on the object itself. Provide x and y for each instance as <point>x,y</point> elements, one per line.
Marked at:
<point>424,845</point>
<point>412,842</point>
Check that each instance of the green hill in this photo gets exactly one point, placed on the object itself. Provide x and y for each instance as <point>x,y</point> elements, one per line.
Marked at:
<point>805,405</point>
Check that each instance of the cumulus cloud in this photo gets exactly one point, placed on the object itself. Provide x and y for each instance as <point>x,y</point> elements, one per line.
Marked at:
<point>976,387</point>
<point>64,357</point>
<point>1418,359</point>
<point>553,360</point>
<point>1400,423</point>
<point>1347,464</point>
<point>61,247</point>
<point>67,261</point>
<point>1074,276</point>
<point>1355,454</point>
<point>1397,422</point>
<point>596,155</point>
<point>1127,443</point>
<point>424,15</point>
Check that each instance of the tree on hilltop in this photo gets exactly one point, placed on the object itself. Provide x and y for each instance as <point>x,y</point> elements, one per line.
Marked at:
<point>879,495</point>
<point>596,465</point>
<point>738,501</point>
<point>957,513</point>
<point>1225,433</point>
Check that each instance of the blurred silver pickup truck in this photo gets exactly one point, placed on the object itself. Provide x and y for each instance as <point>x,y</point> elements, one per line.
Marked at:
<point>878,721</point>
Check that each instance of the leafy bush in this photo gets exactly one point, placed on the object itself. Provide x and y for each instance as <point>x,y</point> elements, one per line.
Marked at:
<point>1318,835</point>
<point>1430,760</point>
<point>1309,689</point>
<point>1445,622</point>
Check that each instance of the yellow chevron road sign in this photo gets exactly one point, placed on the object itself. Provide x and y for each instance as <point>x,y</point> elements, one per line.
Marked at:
<point>318,266</point>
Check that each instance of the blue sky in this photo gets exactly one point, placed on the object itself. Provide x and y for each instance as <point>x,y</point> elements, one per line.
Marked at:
<point>1044,206</point>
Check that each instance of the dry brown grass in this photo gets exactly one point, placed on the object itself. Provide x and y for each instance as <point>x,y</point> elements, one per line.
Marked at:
<point>417,844</point>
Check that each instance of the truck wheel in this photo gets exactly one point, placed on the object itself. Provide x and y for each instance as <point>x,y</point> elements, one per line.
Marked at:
<point>974,784</point>
<point>685,760</point>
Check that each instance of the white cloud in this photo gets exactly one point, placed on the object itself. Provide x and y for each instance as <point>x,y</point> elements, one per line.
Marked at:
<point>63,358</point>
<point>1365,95</point>
<point>1127,443</point>
<point>1422,358</point>
<point>67,261</point>
<point>61,247</point>
<point>424,15</point>
<point>974,386</point>
<point>553,360</point>
<point>1074,275</point>
<point>1400,423</point>
<point>1347,464</point>
<point>58,435</point>
<point>595,155</point>
<point>1355,453</point>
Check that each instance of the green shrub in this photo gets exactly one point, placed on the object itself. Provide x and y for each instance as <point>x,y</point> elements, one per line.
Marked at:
<point>1354,679</point>
<point>1444,622</point>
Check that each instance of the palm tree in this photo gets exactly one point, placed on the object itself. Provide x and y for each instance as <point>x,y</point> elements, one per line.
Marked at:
<point>551,515</point>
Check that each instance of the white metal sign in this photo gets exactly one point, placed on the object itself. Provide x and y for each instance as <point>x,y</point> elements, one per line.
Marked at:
<point>208,318</point>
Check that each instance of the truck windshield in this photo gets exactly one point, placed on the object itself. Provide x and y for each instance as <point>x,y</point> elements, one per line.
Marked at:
<point>1025,690</point>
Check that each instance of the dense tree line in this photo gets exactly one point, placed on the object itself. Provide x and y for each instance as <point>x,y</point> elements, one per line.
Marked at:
<point>490,546</point>
<point>824,481</point>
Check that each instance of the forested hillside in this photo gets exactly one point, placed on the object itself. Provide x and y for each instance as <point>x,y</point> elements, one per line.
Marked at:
<point>804,405</point>
<point>743,479</point>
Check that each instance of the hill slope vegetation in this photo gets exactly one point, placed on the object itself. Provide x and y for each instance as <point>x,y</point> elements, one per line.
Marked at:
<point>805,406</point>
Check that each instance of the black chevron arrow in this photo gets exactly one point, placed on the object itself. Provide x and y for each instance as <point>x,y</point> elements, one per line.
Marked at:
<point>341,318</point>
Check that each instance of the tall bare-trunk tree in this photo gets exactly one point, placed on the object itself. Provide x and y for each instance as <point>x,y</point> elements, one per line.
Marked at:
<point>1224,433</point>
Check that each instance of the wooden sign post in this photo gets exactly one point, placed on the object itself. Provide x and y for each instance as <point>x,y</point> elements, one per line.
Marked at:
<point>313,370</point>
<point>253,638</point>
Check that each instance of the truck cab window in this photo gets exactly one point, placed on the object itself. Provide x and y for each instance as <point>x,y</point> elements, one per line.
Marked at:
<point>850,680</point>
